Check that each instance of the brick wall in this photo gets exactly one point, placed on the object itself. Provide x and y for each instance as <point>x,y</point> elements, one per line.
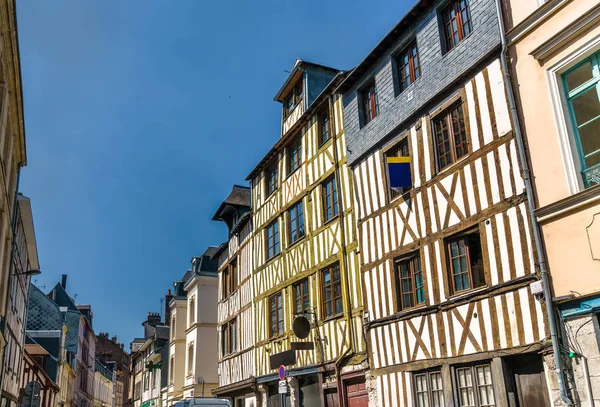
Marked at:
<point>438,70</point>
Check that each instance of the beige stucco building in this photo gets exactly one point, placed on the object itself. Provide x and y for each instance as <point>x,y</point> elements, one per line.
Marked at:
<point>200,374</point>
<point>554,52</point>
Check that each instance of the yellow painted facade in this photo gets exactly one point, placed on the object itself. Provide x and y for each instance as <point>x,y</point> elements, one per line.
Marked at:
<point>326,243</point>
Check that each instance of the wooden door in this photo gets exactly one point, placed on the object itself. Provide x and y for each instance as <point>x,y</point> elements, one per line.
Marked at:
<point>356,394</point>
<point>529,382</point>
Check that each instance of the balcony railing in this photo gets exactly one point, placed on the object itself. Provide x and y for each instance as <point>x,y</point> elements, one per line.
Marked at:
<point>591,176</point>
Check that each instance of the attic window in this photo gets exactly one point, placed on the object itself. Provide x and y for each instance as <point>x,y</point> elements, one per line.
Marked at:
<point>294,97</point>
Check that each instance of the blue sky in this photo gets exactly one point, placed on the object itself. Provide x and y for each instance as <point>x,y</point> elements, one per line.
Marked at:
<point>141,115</point>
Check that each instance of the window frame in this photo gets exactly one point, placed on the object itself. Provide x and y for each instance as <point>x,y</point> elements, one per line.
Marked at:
<point>430,391</point>
<point>448,253</point>
<point>298,208</point>
<point>225,283</point>
<point>472,367</point>
<point>192,310</point>
<point>276,300</point>
<point>392,194</point>
<point>190,358</point>
<point>369,102</point>
<point>233,275</point>
<point>302,297</point>
<point>295,146</point>
<point>592,83</point>
<point>276,244</point>
<point>324,126</point>
<point>414,72</point>
<point>445,13</point>
<point>445,115</point>
<point>331,287</point>
<point>410,261</point>
<point>272,178</point>
<point>229,337</point>
<point>296,95</point>
<point>335,199</point>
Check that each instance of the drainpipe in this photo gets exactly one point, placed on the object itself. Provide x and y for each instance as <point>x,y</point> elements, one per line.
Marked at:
<point>530,198</point>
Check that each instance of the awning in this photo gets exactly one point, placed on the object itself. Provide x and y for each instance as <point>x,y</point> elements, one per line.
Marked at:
<point>148,403</point>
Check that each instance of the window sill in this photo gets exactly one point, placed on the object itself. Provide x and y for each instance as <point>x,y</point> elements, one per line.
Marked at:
<point>278,337</point>
<point>447,168</point>
<point>403,91</point>
<point>270,259</point>
<point>446,52</point>
<point>467,293</point>
<point>331,219</point>
<point>294,171</point>
<point>299,240</point>
<point>325,144</point>
<point>333,317</point>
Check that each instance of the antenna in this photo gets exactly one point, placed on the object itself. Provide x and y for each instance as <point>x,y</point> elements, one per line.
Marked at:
<point>161,307</point>
<point>75,297</point>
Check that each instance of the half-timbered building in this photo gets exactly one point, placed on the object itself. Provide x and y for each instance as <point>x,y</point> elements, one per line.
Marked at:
<point>447,260</point>
<point>235,310</point>
<point>304,244</point>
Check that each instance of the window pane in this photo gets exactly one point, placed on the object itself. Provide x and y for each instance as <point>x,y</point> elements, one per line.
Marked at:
<point>589,136</point>
<point>484,382</point>
<point>579,76</point>
<point>421,390</point>
<point>586,106</point>
<point>465,386</point>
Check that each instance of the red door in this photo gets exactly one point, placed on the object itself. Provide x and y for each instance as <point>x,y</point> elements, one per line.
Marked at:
<point>356,394</point>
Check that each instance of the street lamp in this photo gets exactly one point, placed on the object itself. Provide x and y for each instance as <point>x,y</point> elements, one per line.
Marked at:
<point>29,273</point>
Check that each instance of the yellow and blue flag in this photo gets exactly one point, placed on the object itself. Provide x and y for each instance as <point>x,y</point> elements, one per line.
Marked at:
<point>399,172</point>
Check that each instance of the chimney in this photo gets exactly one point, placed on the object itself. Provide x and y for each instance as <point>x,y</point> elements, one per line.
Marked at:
<point>153,319</point>
<point>168,299</point>
<point>63,281</point>
<point>114,339</point>
<point>121,346</point>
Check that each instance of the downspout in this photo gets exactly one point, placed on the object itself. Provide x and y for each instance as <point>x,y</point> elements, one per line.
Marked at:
<point>530,198</point>
<point>350,348</point>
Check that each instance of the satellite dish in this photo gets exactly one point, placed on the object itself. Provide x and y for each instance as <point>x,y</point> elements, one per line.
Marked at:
<point>301,327</point>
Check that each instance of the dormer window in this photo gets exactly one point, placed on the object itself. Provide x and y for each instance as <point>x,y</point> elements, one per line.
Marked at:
<point>292,100</point>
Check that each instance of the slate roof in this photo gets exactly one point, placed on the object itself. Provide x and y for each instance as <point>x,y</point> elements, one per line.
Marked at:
<point>299,64</point>
<point>239,196</point>
<point>59,295</point>
<point>398,30</point>
<point>43,314</point>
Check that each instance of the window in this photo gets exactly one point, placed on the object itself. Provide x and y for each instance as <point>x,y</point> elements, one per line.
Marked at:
<point>192,310</point>
<point>294,151</point>
<point>173,327</point>
<point>301,297</point>
<point>275,315</point>
<point>409,69</point>
<point>332,291</point>
<point>450,136</point>
<point>190,358</point>
<point>229,337</point>
<point>153,378</point>
<point>330,199</point>
<point>172,369</point>
<point>428,389</point>
<point>295,96</point>
<point>324,125</point>
<point>296,219</point>
<point>466,262</point>
<point>456,18</point>
<point>583,94</point>
<point>399,150</point>
<point>272,178</point>
<point>273,247</point>
<point>475,386</point>
<point>410,290</point>
<point>230,282</point>
<point>370,103</point>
